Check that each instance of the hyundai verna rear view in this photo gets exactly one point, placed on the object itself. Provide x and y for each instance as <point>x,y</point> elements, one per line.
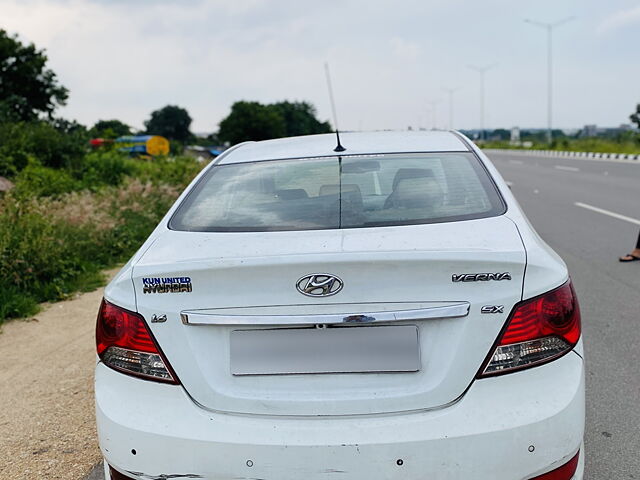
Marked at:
<point>382,312</point>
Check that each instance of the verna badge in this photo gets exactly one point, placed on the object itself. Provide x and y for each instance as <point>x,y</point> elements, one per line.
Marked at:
<point>319,285</point>
<point>479,277</point>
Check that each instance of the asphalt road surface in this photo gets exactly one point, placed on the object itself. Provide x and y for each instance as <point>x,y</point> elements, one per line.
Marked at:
<point>589,212</point>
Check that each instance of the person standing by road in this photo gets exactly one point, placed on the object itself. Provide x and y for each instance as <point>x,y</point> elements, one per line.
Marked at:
<point>634,255</point>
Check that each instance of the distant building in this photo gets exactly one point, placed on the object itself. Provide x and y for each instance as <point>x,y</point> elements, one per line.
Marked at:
<point>204,154</point>
<point>515,136</point>
<point>606,132</point>
<point>589,131</point>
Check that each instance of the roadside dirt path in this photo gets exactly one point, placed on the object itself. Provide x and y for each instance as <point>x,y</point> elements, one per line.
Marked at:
<point>47,422</point>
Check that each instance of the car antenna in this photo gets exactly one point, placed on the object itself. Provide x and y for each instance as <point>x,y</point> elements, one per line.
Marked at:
<point>339,147</point>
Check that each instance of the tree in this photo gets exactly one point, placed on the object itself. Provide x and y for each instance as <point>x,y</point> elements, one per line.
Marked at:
<point>251,121</point>
<point>171,122</point>
<point>500,134</point>
<point>635,117</point>
<point>109,129</point>
<point>300,119</point>
<point>255,121</point>
<point>27,87</point>
<point>57,144</point>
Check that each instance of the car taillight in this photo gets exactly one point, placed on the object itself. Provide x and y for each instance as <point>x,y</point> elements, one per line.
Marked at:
<point>565,472</point>
<point>125,343</point>
<point>539,330</point>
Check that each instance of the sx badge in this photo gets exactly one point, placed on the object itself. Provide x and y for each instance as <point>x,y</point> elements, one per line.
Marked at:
<point>492,309</point>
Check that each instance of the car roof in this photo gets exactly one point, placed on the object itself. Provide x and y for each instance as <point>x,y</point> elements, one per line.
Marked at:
<point>355,143</point>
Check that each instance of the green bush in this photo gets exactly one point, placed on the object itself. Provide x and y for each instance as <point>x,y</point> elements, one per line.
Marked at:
<point>177,171</point>
<point>10,164</point>
<point>111,167</point>
<point>101,169</point>
<point>58,146</point>
<point>108,167</point>
<point>14,303</point>
<point>38,181</point>
<point>41,254</point>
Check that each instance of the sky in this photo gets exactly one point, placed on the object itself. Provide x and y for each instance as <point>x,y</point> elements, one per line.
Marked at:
<point>390,61</point>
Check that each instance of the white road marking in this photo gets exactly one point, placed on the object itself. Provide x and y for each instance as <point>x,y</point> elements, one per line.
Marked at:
<point>516,162</point>
<point>568,169</point>
<point>635,221</point>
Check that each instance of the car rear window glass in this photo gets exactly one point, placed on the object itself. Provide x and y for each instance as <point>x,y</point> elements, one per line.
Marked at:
<point>339,192</point>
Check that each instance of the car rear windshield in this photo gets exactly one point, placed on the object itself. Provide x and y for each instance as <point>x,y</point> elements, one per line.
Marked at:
<point>339,192</point>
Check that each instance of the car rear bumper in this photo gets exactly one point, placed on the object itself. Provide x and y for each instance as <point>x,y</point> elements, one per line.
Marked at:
<point>509,427</point>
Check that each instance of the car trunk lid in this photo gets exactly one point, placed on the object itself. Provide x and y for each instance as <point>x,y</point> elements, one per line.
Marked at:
<point>220,290</point>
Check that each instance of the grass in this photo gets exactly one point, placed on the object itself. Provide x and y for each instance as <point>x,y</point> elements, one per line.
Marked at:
<point>629,144</point>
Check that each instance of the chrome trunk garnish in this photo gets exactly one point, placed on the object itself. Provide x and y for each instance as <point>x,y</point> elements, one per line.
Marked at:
<point>195,317</point>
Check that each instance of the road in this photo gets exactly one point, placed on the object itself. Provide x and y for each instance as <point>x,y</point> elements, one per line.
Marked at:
<point>589,212</point>
<point>47,421</point>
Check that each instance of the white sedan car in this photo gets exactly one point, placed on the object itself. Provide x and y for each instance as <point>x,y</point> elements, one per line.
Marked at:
<point>376,310</point>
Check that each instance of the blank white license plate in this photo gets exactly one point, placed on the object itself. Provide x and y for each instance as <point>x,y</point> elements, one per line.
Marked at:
<point>325,350</point>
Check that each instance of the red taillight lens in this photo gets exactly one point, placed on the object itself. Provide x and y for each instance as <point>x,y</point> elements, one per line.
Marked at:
<point>565,472</point>
<point>125,343</point>
<point>538,331</point>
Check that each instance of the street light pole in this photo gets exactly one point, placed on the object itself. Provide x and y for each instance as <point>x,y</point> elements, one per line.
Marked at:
<point>450,92</point>
<point>434,113</point>
<point>482,71</point>
<point>549,28</point>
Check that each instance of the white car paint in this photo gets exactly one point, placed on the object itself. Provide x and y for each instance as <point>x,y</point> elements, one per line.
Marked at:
<point>439,422</point>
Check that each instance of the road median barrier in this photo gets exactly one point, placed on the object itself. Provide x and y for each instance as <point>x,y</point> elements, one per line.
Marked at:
<point>568,154</point>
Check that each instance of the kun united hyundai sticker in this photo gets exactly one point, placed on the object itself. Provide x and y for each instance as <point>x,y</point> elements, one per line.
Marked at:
<point>166,284</point>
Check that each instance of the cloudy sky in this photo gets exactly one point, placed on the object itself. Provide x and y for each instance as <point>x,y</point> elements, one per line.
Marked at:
<point>389,60</point>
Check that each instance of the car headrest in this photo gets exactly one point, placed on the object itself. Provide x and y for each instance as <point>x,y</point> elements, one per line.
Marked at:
<point>404,173</point>
<point>419,192</point>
